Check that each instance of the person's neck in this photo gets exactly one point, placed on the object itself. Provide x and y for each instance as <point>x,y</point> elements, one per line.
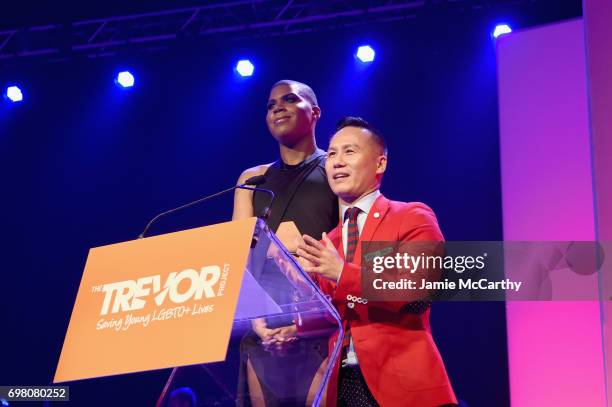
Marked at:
<point>295,154</point>
<point>350,201</point>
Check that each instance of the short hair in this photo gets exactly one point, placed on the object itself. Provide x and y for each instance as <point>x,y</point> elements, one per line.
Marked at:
<point>304,89</point>
<point>351,121</point>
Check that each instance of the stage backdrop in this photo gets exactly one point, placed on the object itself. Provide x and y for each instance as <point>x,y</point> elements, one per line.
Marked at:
<point>555,348</point>
<point>86,164</point>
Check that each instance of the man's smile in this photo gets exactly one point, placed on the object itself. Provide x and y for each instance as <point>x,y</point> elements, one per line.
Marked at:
<point>281,120</point>
<point>340,176</point>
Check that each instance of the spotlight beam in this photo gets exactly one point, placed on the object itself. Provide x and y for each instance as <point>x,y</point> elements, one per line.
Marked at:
<point>245,68</point>
<point>14,94</point>
<point>125,79</point>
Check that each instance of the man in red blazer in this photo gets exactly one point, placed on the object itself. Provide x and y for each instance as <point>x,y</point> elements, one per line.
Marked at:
<point>389,357</point>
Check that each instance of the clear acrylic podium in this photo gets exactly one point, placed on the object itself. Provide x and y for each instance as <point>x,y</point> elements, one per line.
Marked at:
<point>288,363</point>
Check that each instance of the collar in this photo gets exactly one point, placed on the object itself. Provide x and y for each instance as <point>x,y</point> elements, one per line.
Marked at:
<point>316,154</point>
<point>364,203</point>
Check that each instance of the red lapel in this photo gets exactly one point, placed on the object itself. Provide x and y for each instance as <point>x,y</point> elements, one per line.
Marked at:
<point>380,207</point>
<point>336,237</point>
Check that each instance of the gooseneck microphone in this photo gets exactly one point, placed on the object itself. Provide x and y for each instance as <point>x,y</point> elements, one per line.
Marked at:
<point>256,180</point>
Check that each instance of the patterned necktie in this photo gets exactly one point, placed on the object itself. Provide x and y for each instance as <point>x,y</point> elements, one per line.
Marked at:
<point>352,236</point>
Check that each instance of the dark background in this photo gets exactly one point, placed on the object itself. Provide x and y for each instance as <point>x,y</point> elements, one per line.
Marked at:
<point>84,163</point>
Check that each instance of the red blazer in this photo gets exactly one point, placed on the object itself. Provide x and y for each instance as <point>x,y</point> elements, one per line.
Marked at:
<point>396,352</point>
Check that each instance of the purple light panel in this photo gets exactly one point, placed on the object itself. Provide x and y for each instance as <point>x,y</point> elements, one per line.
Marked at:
<point>554,348</point>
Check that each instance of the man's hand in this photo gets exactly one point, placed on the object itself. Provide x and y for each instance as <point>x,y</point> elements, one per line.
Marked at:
<point>286,334</point>
<point>323,257</point>
<point>261,329</point>
<point>282,343</point>
<point>271,336</point>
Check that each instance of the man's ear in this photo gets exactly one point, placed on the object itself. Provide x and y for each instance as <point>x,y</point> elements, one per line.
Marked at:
<point>316,112</point>
<point>381,164</point>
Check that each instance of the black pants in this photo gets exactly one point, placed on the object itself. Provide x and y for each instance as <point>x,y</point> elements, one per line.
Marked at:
<point>353,390</point>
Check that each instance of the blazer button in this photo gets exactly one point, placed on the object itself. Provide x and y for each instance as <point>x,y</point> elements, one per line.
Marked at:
<point>351,305</point>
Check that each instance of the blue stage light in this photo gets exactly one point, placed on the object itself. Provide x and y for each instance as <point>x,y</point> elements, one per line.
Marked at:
<point>244,67</point>
<point>501,29</point>
<point>14,94</point>
<point>125,79</point>
<point>365,53</point>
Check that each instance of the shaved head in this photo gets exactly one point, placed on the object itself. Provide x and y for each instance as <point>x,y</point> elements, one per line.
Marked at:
<point>304,90</point>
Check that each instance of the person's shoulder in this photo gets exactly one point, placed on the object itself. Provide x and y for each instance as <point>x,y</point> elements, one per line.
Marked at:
<point>418,209</point>
<point>410,206</point>
<point>415,220</point>
<point>253,171</point>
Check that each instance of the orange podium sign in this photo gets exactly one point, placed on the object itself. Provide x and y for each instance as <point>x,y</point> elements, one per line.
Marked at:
<point>155,303</point>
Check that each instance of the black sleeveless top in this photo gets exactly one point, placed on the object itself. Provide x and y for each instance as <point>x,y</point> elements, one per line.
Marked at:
<point>302,196</point>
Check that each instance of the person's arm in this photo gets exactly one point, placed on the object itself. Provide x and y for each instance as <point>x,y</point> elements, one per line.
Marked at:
<point>243,198</point>
<point>243,208</point>
<point>418,223</point>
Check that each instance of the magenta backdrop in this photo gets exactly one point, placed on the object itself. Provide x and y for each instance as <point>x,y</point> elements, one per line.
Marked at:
<point>598,14</point>
<point>554,348</point>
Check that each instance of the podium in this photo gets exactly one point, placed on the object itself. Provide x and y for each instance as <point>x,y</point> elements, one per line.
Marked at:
<point>227,306</point>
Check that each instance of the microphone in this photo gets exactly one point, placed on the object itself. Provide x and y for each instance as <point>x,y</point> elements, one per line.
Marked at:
<point>256,180</point>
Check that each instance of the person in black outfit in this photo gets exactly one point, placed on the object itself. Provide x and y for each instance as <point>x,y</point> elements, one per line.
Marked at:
<point>303,196</point>
<point>298,177</point>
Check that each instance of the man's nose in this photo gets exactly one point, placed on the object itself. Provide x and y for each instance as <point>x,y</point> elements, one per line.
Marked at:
<point>338,162</point>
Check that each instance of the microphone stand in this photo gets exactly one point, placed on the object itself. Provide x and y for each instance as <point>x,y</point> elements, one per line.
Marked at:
<point>265,213</point>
